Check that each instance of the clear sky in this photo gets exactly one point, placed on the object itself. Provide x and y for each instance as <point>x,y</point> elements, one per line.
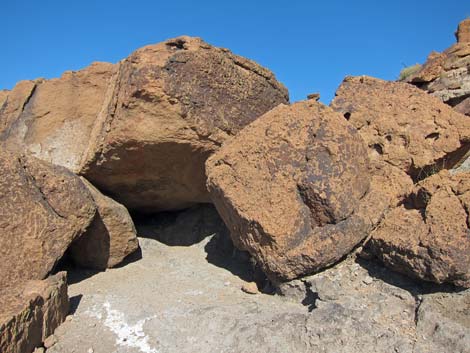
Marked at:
<point>309,45</point>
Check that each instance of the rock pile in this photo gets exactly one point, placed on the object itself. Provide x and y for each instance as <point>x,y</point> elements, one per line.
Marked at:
<point>179,123</point>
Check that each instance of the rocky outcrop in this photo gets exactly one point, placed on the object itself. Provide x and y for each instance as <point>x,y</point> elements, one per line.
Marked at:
<point>31,312</point>
<point>403,126</point>
<point>172,105</point>
<point>141,130</point>
<point>446,75</point>
<point>110,237</point>
<point>291,188</point>
<point>463,31</point>
<point>53,119</point>
<point>428,236</point>
<point>44,208</point>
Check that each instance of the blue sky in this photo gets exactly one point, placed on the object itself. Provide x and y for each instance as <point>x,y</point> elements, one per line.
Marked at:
<point>309,45</point>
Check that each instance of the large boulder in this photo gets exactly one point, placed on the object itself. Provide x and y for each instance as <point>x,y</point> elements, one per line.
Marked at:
<point>403,126</point>
<point>463,31</point>
<point>44,208</point>
<point>109,239</point>
<point>30,312</point>
<point>291,188</point>
<point>428,236</point>
<point>53,119</point>
<point>172,105</point>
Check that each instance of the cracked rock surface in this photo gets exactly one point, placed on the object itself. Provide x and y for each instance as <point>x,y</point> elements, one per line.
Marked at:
<point>189,298</point>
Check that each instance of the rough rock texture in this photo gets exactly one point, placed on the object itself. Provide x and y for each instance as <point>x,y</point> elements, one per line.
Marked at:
<point>291,188</point>
<point>171,106</point>
<point>31,312</point>
<point>109,239</point>
<point>53,119</point>
<point>44,208</point>
<point>463,31</point>
<point>428,237</point>
<point>403,126</point>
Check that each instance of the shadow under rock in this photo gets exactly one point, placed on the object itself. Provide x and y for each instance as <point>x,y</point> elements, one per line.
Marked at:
<point>415,286</point>
<point>74,303</point>
<point>179,228</point>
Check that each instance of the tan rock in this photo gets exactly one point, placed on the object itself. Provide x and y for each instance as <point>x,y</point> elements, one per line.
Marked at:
<point>44,208</point>
<point>250,288</point>
<point>463,31</point>
<point>53,119</point>
<point>50,341</point>
<point>110,237</point>
<point>173,104</point>
<point>291,188</point>
<point>31,312</point>
<point>403,126</point>
<point>428,237</point>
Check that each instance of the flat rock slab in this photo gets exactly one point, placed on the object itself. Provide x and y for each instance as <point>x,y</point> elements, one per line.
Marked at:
<point>173,300</point>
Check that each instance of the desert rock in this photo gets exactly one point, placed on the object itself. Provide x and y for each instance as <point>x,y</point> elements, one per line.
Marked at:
<point>171,106</point>
<point>291,189</point>
<point>463,32</point>
<point>53,119</point>
<point>428,236</point>
<point>403,126</point>
<point>44,208</point>
<point>110,237</point>
<point>31,312</point>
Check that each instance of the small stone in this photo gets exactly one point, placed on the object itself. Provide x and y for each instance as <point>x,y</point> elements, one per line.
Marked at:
<point>39,350</point>
<point>90,350</point>
<point>250,288</point>
<point>50,341</point>
<point>69,318</point>
<point>315,96</point>
<point>368,280</point>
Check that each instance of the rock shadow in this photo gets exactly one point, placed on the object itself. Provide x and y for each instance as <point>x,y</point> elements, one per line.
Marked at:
<point>415,286</point>
<point>74,302</point>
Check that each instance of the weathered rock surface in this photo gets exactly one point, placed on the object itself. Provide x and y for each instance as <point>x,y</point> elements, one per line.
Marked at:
<point>292,188</point>
<point>428,237</point>
<point>110,237</point>
<point>172,105</point>
<point>31,312</point>
<point>53,119</point>
<point>44,208</point>
<point>463,31</point>
<point>403,126</point>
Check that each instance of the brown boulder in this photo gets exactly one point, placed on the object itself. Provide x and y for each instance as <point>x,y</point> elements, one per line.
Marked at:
<point>31,312</point>
<point>53,119</point>
<point>291,188</point>
<point>463,31</point>
<point>110,237</point>
<point>44,208</point>
<point>172,105</point>
<point>403,126</point>
<point>428,237</point>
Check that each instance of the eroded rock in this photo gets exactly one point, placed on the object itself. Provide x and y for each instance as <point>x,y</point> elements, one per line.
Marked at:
<point>173,104</point>
<point>428,237</point>
<point>44,208</point>
<point>403,126</point>
<point>53,119</point>
<point>110,237</point>
<point>31,312</point>
<point>291,188</point>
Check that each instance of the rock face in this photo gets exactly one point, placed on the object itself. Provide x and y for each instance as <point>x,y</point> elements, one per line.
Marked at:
<point>31,312</point>
<point>403,126</point>
<point>110,237</point>
<point>53,119</point>
<point>172,105</point>
<point>291,189</point>
<point>463,32</point>
<point>446,75</point>
<point>428,236</point>
<point>44,208</point>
